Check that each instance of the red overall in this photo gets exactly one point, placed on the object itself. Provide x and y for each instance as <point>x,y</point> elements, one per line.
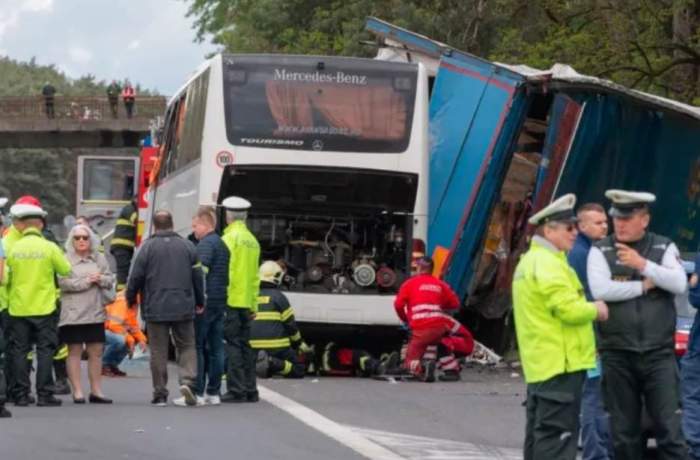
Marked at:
<point>421,303</point>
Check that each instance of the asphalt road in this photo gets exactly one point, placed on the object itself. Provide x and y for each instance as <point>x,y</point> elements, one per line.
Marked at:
<point>315,418</point>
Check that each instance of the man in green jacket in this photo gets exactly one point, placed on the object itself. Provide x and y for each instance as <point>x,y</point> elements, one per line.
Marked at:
<point>554,327</point>
<point>242,301</point>
<point>33,262</point>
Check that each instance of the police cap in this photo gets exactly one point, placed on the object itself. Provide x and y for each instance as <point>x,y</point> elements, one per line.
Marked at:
<point>22,211</point>
<point>236,203</point>
<point>559,210</point>
<point>626,203</point>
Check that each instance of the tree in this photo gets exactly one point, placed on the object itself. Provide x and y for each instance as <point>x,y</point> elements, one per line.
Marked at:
<point>651,45</point>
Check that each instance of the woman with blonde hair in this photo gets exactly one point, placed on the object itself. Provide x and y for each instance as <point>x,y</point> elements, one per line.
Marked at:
<point>84,294</point>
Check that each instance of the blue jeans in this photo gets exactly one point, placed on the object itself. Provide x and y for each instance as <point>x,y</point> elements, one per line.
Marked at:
<point>209,335</point>
<point>690,390</point>
<point>595,423</point>
<point>115,349</point>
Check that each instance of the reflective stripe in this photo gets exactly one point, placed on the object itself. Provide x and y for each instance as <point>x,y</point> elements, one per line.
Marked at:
<point>270,343</point>
<point>425,307</point>
<point>267,316</point>
<point>363,362</point>
<point>115,319</point>
<point>288,313</point>
<point>133,218</point>
<point>125,222</point>
<point>62,353</point>
<point>287,368</point>
<point>448,363</point>
<point>122,242</point>
<point>456,326</point>
<point>432,314</point>
<point>296,337</point>
<point>205,269</point>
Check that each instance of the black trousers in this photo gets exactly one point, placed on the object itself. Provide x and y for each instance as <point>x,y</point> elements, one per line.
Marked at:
<point>553,407</point>
<point>628,379</point>
<point>285,362</point>
<point>240,372</point>
<point>122,257</point>
<point>24,331</point>
<point>3,348</point>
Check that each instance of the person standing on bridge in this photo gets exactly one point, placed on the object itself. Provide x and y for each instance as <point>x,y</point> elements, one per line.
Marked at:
<point>129,97</point>
<point>554,329</point>
<point>242,300</point>
<point>169,279</point>
<point>48,91</point>
<point>113,92</point>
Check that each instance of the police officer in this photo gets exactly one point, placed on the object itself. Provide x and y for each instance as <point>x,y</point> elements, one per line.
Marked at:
<point>553,324</point>
<point>4,413</point>
<point>242,301</point>
<point>33,262</point>
<point>638,273</point>
<point>274,334</point>
<point>10,236</point>
<point>124,241</point>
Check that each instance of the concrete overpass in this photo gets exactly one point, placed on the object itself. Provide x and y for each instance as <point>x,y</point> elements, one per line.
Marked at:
<point>79,122</point>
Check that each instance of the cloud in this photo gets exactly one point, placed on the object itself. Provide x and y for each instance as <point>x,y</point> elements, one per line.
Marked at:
<point>37,5</point>
<point>79,55</point>
<point>134,45</point>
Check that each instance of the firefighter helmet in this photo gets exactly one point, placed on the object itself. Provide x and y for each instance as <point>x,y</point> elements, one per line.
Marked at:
<point>271,272</point>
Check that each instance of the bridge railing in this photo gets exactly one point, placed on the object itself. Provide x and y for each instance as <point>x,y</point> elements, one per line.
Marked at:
<point>86,108</point>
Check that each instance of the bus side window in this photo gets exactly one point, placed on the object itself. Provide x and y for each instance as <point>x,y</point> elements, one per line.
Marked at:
<point>169,138</point>
<point>190,148</point>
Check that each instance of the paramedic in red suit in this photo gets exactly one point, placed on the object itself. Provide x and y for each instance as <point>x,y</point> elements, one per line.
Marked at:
<point>421,302</point>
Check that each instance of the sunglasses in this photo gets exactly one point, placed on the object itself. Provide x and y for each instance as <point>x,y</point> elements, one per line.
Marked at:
<point>81,237</point>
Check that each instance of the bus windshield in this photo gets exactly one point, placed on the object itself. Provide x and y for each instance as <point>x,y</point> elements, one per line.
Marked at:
<point>322,104</point>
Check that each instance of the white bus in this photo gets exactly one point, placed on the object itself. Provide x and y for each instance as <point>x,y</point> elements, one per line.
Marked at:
<point>333,154</point>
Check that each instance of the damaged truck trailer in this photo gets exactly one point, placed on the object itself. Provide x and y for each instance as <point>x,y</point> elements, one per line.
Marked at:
<point>506,140</point>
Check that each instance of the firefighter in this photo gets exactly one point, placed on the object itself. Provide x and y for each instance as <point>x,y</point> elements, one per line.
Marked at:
<point>339,361</point>
<point>639,273</point>
<point>33,263</point>
<point>421,303</point>
<point>124,241</point>
<point>554,328</point>
<point>242,301</point>
<point>274,334</point>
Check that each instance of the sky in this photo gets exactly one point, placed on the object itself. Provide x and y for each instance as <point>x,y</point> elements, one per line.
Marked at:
<point>148,41</point>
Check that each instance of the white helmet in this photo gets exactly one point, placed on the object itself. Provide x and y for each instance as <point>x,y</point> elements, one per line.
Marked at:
<point>271,272</point>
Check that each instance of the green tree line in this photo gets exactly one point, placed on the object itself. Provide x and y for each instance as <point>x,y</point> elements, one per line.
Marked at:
<point>28,78</point>
<point>650,45</point>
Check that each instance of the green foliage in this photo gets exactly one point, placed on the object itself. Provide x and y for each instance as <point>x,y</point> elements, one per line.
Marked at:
<point>652,45</point>
<point>28,78</point>
<point>42,173</point>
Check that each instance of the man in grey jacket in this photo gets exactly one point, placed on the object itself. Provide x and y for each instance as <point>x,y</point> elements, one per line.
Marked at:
<point>169,278</point>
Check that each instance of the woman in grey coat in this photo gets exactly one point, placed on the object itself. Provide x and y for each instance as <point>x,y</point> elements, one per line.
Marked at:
<point>84,294</point>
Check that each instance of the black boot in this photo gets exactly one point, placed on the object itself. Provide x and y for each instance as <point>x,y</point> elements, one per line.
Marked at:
<point>4,413</point>
<point>59,368</point>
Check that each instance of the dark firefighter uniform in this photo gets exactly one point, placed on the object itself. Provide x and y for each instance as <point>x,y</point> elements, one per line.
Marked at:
<point>637,342</point>
<point>275,332</point>
<point>124,241</point>
<point>554,328</point>
<point>33,263</point>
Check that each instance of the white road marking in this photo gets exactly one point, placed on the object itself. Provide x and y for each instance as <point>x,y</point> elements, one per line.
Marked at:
<point>385,445</point>
<point>424,448</point>
<point>333,430</point>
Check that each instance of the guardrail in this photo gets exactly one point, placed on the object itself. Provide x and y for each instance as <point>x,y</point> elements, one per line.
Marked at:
<point>86,108</point>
